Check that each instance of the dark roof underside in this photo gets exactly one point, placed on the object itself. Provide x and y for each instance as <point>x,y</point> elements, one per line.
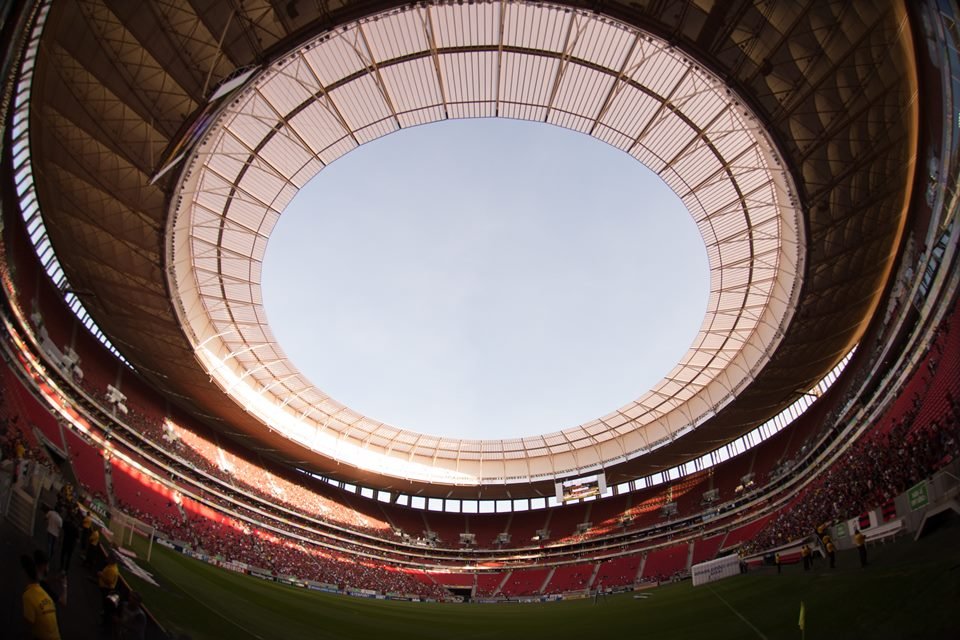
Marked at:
<point>117,82</point>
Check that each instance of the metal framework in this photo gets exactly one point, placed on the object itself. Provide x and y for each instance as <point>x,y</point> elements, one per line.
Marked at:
<point>116,85</point>
<point>537,62</point>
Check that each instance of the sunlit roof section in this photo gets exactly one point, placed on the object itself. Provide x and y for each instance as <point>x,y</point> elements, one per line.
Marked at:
<point>709,460</point>
<point>537,62</point>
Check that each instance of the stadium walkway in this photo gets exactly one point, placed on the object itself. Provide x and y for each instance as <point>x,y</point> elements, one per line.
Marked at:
<point>78,620</point>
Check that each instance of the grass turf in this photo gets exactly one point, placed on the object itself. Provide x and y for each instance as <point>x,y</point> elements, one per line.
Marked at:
<point>910,590</point>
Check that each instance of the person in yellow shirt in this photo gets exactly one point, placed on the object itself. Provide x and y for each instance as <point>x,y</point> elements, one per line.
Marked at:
<point>39,612</point>
<point>805,554</point>
<point>20,453</point>
<point>93,542</point>
<point>832,554</point>
<point>108,576</point>
<point>107,579</point>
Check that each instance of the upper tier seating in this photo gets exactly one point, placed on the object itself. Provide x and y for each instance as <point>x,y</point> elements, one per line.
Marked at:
<point>87,463</point>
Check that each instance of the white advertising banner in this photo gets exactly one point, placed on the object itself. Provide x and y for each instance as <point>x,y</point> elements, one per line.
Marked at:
<point>714,570</point>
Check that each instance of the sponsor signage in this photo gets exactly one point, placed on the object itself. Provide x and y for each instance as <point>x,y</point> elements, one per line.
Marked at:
<point>918,496</point>
<point>714,570</point>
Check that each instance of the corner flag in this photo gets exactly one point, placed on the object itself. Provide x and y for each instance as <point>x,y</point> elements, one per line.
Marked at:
<point>803,617</point>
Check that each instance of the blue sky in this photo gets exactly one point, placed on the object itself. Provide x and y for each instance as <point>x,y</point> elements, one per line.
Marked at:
<point>485,279</point>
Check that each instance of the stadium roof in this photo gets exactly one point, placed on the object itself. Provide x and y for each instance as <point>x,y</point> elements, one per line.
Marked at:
<point>799,180</point>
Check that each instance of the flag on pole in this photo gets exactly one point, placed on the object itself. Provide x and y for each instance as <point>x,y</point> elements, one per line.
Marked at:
<point>803,616</point>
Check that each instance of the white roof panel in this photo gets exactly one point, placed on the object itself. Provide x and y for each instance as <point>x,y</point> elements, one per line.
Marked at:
<point>361,102</point>
<point>293,85</point>
<point>630,111</point>
<point>422,116</point>
<point>395,35</point>
<point>350,87</point>
<point>287,152</point>
<point>530,27</point>
<point>399,80</point>
<point>602,43</point>
<point>337,58</point>
<point>459,26</point>
<point>469,77</point>
<point>252,124</point>
<point>656,69</point>
<point>526,79</point>
<point>583,91</point>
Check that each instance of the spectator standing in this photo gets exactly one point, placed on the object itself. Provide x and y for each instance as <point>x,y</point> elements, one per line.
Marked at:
<point>107,579</point>
<point>861,541</point>
<point>93,541</point>
<point>133,620</point>
<point>42,567</point>
<point>39,612</point>
<point>71,533</point>
<point>601,591</point>
<point>54,527</point>
<point>85,530</point>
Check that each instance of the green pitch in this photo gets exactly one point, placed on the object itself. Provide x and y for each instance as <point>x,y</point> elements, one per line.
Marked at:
<point>910,590</point>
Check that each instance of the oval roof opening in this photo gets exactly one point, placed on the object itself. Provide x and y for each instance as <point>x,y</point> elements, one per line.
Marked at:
<point>485,278</point>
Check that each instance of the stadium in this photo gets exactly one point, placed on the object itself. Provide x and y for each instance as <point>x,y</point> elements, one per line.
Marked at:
<point>149,150</point>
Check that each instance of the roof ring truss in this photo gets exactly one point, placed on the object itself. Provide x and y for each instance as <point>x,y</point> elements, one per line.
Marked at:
<point>537,62</point>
